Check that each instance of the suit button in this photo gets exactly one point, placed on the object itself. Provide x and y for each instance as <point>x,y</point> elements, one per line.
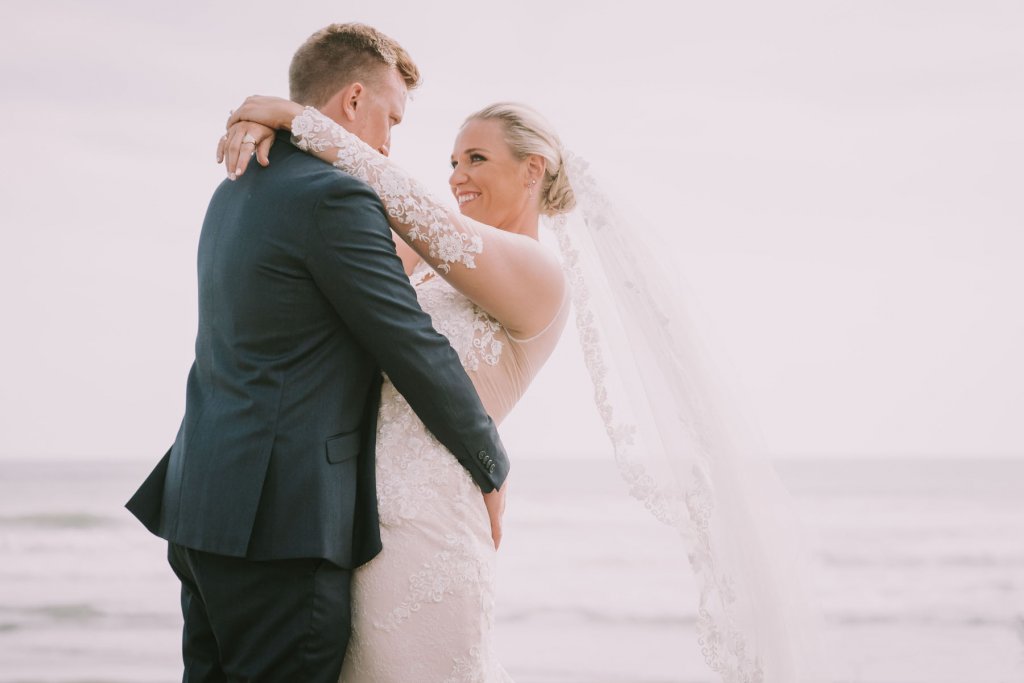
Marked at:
<point>490,470</point>
<point>482,456</point>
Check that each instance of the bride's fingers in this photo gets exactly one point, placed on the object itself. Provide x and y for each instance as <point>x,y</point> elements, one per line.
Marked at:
<point>263,150</point>
<point>245,153</point>
<point>221,147</point>
<point>233,151</point>
<point>259,138</point>
<point>244,140</point>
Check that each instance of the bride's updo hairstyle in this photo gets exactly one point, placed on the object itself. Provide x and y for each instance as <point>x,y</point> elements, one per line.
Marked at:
<point>527,132</point>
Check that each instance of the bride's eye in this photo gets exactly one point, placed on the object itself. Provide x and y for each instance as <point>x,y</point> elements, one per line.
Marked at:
<point>477,157</point>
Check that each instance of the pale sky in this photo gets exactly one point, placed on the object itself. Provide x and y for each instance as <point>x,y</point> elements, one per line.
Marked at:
<point>839,184</point>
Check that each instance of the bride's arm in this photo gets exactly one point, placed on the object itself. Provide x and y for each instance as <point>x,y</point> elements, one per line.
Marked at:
<point>410,259</point>
<point>510,276</point>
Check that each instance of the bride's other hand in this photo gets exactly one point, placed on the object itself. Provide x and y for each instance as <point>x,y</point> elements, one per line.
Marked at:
<point>495,502</point>
<point>238,144</point>
<point>258,116</point>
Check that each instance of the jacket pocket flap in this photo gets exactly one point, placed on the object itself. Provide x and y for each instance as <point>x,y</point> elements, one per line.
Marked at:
<point>343,447</point>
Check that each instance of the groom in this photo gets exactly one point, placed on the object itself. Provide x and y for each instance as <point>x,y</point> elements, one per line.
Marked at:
<point>267,498</point>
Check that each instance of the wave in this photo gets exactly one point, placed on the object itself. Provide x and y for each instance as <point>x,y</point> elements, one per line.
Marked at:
<point>58,520</point>
<point>930,560</point>
<point>597,616</point>
<point>1015,624</point>
<point>843,618</point>
<point>78,614</point>
<point>51,612</point>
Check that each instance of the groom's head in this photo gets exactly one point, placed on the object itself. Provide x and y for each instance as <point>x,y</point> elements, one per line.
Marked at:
<point>356,75</point>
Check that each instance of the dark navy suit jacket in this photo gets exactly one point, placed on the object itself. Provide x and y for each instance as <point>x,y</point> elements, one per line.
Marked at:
<point>302,303</point>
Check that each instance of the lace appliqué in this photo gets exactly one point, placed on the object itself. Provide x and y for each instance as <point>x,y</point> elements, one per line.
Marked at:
<point>468,669</point>
<point>450,569</point>
<point>412,466</point>
<point>475,335</point>
<point>477,666</point>
<point>485,346</point>
<point>409,474</point>
<point>405,200</point>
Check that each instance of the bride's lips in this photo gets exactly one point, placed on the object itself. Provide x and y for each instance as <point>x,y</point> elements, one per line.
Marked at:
<point>464,198</point>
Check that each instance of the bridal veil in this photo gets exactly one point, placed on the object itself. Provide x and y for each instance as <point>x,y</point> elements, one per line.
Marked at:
<point>678,445</point>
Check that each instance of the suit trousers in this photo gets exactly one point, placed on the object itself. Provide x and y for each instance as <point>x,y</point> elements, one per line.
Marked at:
<point>270,621</point>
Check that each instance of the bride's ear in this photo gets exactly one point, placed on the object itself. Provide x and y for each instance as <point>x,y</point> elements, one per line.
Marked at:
<point>535,166</point>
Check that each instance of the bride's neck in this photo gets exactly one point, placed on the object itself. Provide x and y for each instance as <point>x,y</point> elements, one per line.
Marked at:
<point>525,224</point>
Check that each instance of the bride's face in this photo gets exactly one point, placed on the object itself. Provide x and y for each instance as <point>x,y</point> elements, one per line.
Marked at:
<point>490,184</point>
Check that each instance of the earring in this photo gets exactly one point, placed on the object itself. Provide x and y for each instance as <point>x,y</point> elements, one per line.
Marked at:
<point>532,183</point>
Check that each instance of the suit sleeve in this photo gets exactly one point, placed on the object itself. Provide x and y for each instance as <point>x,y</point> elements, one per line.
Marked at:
<point>351,256</point>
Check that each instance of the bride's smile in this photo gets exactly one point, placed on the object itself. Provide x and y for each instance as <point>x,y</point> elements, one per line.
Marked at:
<point>466,197</point>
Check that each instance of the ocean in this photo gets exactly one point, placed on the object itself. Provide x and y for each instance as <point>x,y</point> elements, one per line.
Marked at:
<point>920,574</point>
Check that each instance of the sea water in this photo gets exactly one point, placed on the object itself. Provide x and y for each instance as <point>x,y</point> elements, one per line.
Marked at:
<point>920,566</point>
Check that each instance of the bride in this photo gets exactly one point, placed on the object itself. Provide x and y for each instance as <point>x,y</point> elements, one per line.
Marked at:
<point>423,608</point>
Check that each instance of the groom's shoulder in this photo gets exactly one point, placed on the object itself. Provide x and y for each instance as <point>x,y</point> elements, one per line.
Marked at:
<point>293,170</point>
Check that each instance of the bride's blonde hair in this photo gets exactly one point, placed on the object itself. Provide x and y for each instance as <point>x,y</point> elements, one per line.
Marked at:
<point>527,132</point>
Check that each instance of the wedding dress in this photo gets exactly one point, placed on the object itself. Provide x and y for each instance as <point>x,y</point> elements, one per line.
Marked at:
<point>423,610</point>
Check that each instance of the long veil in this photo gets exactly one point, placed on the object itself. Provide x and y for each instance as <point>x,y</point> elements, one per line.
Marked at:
<point>676,443</point>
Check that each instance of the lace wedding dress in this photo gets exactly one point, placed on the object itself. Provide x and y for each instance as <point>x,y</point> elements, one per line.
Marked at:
<point>423,610</point>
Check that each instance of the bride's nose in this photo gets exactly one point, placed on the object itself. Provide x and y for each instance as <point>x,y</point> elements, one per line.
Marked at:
<point>456,178</point>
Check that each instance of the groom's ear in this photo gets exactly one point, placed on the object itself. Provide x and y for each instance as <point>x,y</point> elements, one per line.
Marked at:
<point>344,104</point>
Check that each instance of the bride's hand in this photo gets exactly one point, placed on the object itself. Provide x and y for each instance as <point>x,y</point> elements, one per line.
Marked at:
<point>258,116</point>
<point>240,142</point>
<point>495,503</point>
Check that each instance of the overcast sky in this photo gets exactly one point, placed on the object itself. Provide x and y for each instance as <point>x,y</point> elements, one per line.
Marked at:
<point>839,184</point>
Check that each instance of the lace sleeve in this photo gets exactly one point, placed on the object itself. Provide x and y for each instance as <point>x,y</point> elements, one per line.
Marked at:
<point>419,219</point>
<point>442,236</point>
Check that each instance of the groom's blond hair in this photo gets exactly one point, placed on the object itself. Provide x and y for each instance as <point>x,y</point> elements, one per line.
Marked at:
<point>341,54</point>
